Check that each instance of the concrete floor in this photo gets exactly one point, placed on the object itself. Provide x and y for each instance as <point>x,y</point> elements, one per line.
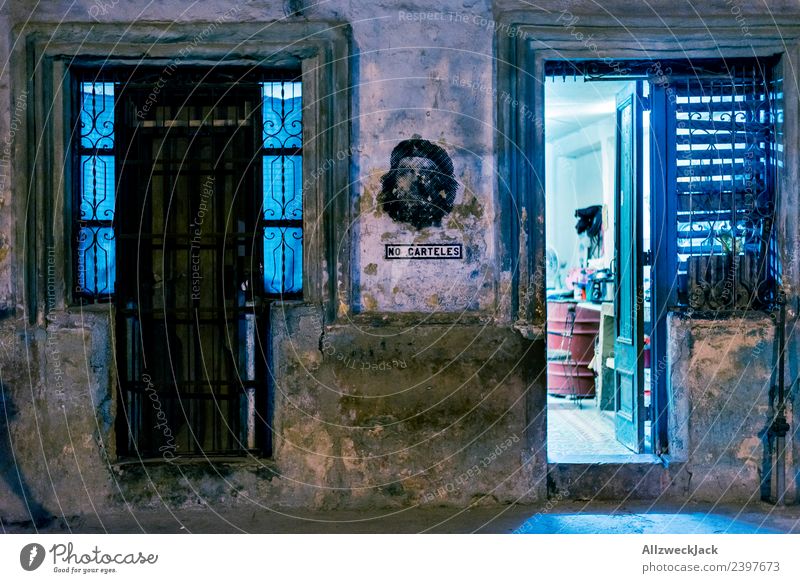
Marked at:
<point>556,518</point>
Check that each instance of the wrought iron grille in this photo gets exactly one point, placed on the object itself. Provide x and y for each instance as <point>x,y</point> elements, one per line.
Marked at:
<point>95,191</point>
<point>724,134</point>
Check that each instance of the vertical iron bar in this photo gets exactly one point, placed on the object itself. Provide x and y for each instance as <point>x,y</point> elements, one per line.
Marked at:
<point>780,465</point>
<point>283,193</point>
<point>691,175</point>
<point>734,220</point>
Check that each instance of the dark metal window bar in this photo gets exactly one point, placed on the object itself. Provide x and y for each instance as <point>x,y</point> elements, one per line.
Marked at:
<point>724,185</point>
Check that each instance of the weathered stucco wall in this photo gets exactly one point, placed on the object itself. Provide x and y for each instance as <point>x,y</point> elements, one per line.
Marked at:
<point>386,409</point>
<point>721,374</point>
<point>368,414</point>
<point>58,424</point>
<point>720,378</point>
<point>364,419</point>
<point>382,410</point>
<point>437,87</point>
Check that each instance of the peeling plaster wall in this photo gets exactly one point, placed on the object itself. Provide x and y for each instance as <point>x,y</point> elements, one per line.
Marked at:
<point>434,80</point>
<point>57,426</point>
<point>388,412</point>
<point>720,379</point>
<point>366,415</point>
<point>720,375</point>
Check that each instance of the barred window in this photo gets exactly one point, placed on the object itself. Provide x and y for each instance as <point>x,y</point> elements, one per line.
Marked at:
<point>282,159</point>
<point>95,200</point>
<point>196,191</point>
<point>724,183</point>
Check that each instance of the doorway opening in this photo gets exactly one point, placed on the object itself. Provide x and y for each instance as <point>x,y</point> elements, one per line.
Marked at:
<point>597,156</point>
<point>679,154</point>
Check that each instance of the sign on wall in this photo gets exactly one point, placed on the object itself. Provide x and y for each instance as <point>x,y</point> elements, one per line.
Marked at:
<point>424,251</point>
<point>419,190</point>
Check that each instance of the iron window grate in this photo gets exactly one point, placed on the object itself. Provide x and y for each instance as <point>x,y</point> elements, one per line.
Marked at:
<point>724,135</point>
<point>95,201</point>
<point>192,357</point>
<point>282,164</point>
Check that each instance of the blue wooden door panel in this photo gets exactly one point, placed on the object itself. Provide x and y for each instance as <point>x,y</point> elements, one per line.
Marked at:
<point>628,344</point>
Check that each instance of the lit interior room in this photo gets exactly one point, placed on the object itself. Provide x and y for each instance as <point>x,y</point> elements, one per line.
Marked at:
<point>581,176</point>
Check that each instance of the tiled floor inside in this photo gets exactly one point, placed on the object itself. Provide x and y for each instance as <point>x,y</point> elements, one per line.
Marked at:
<point>579,428</point>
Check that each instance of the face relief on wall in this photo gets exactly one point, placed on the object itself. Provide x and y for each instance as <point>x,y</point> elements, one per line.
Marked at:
<point>425,235</point>
<point>419,188</point>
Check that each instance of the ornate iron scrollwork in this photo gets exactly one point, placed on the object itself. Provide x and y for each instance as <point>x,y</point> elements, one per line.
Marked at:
<point>725,141</point>
<point>95,165</point>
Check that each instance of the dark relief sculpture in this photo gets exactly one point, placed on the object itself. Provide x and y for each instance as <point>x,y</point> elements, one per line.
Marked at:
<point>419,188</point>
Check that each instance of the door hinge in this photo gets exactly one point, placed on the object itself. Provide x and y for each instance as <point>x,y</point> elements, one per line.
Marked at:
<point>647,258</point>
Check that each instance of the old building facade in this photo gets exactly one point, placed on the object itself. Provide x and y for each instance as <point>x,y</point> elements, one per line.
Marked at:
<point>379,381</point>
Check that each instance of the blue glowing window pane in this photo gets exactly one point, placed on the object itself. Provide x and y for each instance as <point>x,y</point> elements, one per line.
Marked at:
<point>282,110</point>
<point>97,115</point>
<point>97,188</point>
<point>96,260</point>
<point>283,260</point>
<point>283,196</point>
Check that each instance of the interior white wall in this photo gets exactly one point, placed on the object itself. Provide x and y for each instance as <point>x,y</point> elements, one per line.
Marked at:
<point>579,173</point>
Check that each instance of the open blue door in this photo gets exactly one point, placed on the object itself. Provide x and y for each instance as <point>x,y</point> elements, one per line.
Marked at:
<point>629,339</point>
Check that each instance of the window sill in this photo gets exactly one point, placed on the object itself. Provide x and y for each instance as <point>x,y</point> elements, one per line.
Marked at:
<point>94,308</point>
<point>239,462</point>
<point>605,460</point>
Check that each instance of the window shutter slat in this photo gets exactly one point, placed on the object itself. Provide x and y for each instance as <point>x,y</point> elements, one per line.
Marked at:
<point>724,139</point>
